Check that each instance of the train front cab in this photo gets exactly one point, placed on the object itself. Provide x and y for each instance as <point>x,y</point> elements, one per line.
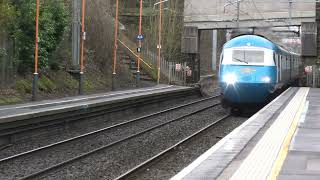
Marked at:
<point>247,76</point>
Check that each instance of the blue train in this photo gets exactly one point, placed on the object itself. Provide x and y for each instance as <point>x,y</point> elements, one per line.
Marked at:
<point>252,68</point>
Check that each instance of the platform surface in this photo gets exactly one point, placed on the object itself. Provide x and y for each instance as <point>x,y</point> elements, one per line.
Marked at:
<point>22,111</point>
<point>281,141</point>
<point>303,159</point>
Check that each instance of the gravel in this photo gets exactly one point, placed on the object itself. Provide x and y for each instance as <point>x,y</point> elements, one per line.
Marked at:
<point>48,135</point>
<point>113,162</point>
<point>171,164</point>
<point>32,163</point>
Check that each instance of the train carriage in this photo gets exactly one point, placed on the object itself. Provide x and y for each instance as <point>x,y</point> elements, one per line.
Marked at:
<point>252,68</point>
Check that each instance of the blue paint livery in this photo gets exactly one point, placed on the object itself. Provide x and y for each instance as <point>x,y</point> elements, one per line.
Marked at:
<point>251,85</point>
<point>254,41</point>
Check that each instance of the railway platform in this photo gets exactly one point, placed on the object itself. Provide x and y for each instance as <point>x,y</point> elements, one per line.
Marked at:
<point>73,108</point>
<point>281,141</point>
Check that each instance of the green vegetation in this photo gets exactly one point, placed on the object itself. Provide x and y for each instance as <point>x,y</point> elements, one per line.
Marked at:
<point>10,100</point>
<point>17,20</point>
<point>17,45</point>
<point>24,86</point>
<point>63,80</point>
<point>46,85</point>
<point>7,15</point>
<point>3,52</point>
<point>17,30</point>
<point>52,24</point>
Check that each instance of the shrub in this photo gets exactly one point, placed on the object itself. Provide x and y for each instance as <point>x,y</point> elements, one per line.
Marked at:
<point>52,24</point>
<point>24,86</point>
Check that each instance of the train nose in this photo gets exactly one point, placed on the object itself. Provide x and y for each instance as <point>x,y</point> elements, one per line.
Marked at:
<point>246,92</point>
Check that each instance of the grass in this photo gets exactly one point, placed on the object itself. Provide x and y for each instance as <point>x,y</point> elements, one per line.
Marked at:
<point>64,81</point>
<point>56,84</point>
<point>24,86</point>
<point>46,85</point>
<point>10,100</point>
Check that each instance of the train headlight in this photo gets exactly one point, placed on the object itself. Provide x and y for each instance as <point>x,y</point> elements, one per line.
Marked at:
<point>230,79</point>
<point>266,79</point>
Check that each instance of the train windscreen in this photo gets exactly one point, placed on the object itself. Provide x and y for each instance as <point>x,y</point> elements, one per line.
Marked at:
<point>248,56</point>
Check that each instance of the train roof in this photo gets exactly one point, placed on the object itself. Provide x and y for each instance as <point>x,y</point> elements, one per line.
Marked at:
<point>255,41</point>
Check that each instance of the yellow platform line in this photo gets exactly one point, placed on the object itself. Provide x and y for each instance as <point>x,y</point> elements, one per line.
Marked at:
<point>277,166</point>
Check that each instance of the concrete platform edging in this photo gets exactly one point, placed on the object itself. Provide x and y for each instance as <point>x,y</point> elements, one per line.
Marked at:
<point>231,145</point>
<point>263,162</point>
<point>48,103</point>
<point>32,113</point>
<point>83,109</point>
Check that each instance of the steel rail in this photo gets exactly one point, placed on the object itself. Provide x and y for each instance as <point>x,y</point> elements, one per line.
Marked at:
<point>145,163</point>
<point>64,163</point>
<point>102,130</point>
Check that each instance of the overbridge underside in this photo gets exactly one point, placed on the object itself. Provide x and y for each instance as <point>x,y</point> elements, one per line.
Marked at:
<point>247,23</point>
<point>226,14</point>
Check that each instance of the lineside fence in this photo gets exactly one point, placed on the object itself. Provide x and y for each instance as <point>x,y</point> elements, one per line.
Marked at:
<point>168,70</point>
<point>313,76</point>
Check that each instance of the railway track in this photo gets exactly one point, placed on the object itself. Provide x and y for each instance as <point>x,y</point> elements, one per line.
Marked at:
<point>55,166</point>
<point>145,164</point>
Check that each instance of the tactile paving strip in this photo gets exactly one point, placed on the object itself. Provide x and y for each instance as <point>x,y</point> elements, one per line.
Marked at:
<point>259,162</point>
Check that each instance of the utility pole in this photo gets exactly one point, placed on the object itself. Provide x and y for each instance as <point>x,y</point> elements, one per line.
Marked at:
<point>159,41</point>
<point>83,38</point>
<point>116,25</point>
<point>238,13</point>
<point>35,74</point>
<point>318,30</point>
<point>238,9</point>
<point>140,44</point>
<point>76,6</point>
<point>290,10</point>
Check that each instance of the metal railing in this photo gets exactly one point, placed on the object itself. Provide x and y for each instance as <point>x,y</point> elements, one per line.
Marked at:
<point>149,62</point>
<point>173,75</point>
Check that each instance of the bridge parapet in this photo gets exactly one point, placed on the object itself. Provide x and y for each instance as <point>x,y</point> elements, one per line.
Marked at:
<point>217,14</point>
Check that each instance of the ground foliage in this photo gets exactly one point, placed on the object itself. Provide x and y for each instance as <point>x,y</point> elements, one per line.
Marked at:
<point>18,21</point>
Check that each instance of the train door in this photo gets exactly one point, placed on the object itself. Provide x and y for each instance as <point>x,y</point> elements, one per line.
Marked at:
<point>290,67</point>
<point>283,68</point>
<point>280,67</point>
<point>277,64</point>
<point>295,67</point>
<point>287,68</point>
